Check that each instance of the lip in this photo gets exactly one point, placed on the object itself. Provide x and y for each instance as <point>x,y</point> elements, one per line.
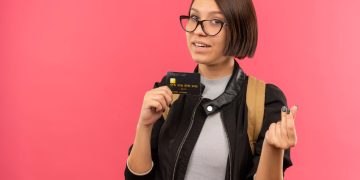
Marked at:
<point>201,42</point>
<point>200,49</point>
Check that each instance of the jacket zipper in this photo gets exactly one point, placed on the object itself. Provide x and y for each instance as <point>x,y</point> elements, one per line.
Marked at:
<point>184,138</point>
<point>229,145</point>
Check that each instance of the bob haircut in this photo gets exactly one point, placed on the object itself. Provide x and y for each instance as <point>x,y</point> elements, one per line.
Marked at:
<point>242,29</point>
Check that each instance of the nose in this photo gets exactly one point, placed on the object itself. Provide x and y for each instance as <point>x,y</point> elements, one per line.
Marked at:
<point>199,30</point>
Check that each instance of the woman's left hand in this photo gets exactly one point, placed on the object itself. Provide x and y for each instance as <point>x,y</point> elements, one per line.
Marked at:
<point>282,134</point>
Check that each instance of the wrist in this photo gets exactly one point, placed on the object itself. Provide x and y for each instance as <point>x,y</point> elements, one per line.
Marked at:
<point>271,147</point>
<point>144,127</point>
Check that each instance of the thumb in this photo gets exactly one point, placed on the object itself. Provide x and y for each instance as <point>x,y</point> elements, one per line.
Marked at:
<point>294,110</point>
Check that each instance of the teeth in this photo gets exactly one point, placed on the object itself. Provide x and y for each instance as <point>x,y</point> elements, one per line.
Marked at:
<point>200,45</point>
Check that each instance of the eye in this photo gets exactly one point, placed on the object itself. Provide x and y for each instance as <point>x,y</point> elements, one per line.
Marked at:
<point>194,18</point>
<point>216,22</point>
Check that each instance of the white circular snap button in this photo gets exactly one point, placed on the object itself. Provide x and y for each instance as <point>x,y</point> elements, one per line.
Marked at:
<point>209,108</point>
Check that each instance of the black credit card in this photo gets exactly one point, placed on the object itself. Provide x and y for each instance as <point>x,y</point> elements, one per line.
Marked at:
<point>183,83</point>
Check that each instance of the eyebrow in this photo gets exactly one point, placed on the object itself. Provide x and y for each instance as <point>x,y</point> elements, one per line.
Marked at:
<point>211,12</point>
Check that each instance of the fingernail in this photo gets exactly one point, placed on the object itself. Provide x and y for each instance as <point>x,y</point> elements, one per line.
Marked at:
<point>297,106</point>
<point>284,109</point>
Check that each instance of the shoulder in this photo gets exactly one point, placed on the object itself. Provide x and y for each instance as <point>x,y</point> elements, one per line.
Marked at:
<point>274,93</point>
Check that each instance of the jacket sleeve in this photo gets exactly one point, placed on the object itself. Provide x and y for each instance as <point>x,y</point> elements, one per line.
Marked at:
<point>154,150</point>
<point>274,100</point>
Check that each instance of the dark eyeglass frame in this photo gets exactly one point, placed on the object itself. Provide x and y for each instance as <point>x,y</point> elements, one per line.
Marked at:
<point>201,24</point>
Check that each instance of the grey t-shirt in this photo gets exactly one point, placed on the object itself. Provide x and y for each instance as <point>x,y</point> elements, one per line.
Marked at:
<point>209,158</point>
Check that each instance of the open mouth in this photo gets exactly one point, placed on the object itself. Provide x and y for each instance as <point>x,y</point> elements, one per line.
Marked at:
<point>201,45</point>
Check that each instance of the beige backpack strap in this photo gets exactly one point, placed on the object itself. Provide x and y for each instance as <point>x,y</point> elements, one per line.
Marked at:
<point>255,101</point>
<point>174,98</point>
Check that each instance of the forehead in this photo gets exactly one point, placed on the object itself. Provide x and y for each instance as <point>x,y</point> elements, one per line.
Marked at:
<point>205,7</point>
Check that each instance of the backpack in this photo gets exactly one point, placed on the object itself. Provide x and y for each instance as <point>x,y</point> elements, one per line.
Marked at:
<point>255,101</point>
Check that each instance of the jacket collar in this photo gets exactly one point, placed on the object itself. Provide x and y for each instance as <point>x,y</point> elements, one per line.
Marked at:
<point>232,89</point>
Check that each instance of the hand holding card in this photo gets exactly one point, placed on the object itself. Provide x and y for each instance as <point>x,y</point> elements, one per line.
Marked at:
<point>183,83</point>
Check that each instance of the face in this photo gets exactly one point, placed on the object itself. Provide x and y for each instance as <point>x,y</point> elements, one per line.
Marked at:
<point>213,52</point>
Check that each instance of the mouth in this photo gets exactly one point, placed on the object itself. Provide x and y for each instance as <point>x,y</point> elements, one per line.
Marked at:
<point>200,44</point>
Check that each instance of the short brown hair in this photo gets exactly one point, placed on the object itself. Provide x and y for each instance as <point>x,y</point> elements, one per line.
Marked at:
<point>242,31</point>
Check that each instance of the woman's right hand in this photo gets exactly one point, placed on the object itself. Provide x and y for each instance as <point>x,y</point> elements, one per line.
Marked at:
<point>154,104</point>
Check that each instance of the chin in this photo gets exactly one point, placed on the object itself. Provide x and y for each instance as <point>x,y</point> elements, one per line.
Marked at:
<point>199,59</point>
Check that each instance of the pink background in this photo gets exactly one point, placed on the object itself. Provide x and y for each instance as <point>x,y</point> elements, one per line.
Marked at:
<point>73,74</point>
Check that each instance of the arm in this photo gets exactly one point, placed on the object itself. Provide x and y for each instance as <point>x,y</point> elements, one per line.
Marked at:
<point>271,163</point>
<point>139,160</point>
<point>143,153</point>
<point>280,136</point>
<point>148,142</point>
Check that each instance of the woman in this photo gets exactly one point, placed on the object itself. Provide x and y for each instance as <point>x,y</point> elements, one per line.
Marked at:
<point>205,137</point>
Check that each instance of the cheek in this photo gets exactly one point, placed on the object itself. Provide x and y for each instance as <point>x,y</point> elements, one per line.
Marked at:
<point>187,38</point>
<point>220,42</point>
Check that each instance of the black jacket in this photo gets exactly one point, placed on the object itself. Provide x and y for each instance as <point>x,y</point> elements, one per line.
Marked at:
<point>173,140</point>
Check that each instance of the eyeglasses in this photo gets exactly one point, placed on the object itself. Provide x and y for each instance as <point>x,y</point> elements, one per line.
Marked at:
<point>209,27</point>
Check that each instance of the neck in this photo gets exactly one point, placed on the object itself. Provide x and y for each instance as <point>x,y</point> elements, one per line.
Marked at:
<point>215,71</point>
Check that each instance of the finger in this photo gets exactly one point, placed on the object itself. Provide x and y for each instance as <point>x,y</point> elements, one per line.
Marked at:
<point>161,100</point>
<point>155,105</point>
<point>166,89</point>
<point>283,126</point>
<point>291,131</point>
<point>272,129</point>
<point>166,96</point>
<point>294,110</point>
<point>278,130</point>
<point>290,123</point>
<point>284,110</point>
